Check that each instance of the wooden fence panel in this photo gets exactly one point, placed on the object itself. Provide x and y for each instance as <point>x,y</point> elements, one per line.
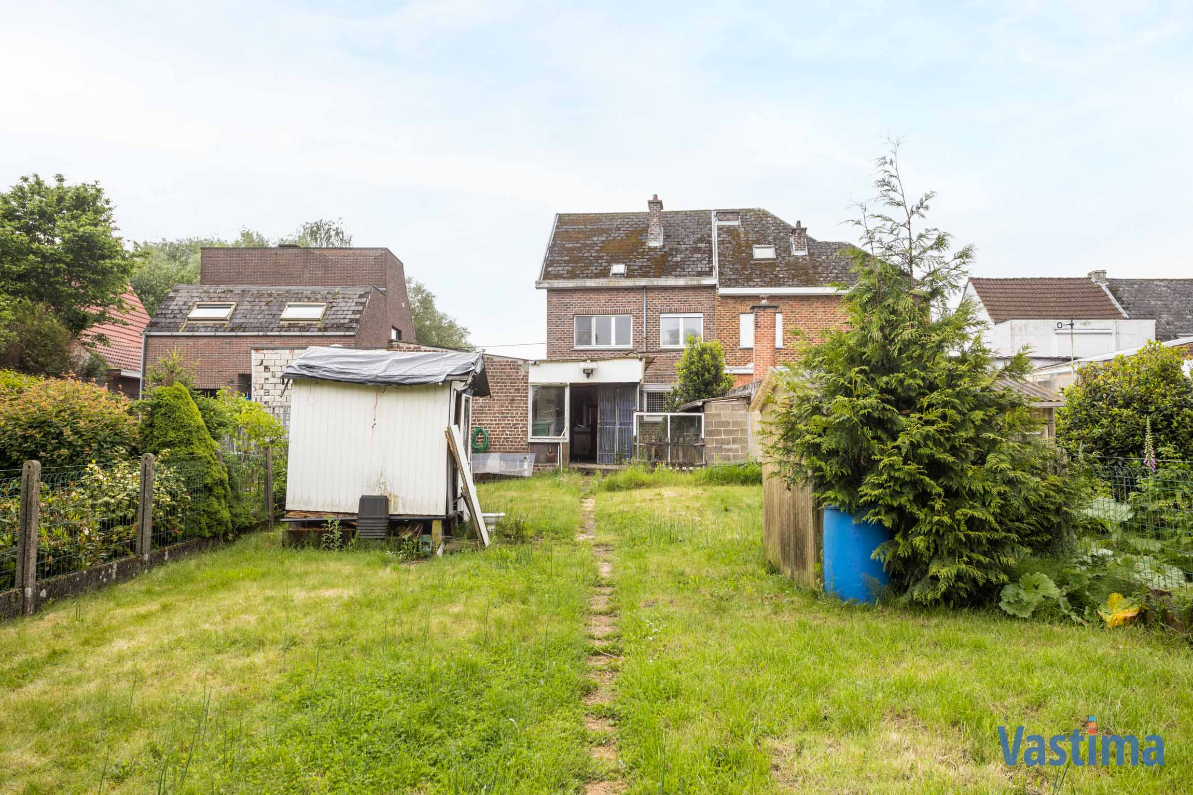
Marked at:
<point>793,529</point>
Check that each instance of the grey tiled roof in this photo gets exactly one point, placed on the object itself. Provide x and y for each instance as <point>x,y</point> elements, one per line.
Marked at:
<point>825,263</point>
<point>586,245</point>
<point>1167,301</point>
<point>259,309</point>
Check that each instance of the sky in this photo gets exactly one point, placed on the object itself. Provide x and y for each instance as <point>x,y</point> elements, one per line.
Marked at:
<point>1056,134</point>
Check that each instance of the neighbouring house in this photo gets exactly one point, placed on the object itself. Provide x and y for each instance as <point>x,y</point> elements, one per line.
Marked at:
<point>624,292</point>
<point>121,345</point>
<point>278,298</point>
<point>1058,376</point>
<point>1169,302</point>
<point>1055,318</point>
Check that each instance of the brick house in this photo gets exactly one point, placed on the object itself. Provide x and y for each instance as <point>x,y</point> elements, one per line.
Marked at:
<point>625,290</point>
<point>285,298</point>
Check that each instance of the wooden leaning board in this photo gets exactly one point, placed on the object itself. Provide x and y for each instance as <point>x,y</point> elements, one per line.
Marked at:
<point>455,443</point>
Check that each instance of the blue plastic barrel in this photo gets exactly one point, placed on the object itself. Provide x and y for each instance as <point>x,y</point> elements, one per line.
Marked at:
<point>849,571</point>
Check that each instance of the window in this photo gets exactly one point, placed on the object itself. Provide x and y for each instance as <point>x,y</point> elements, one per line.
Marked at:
<point>304,313</point>
<point>548,411</point>
<point>779,330</point>
<point>395,333</point>
<point>655,401</point>
<point>674,330</point>
<point>603,331</point>
<point>211,311</point>
<point>617,270</point>
<point>244,384</point>
<point>764,252</point>
<point>745,331</point>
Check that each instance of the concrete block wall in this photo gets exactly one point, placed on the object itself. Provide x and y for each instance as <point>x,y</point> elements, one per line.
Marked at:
<point>268,387</point>
<point>727,431</point>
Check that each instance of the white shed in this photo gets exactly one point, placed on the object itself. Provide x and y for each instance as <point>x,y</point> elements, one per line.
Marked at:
<point>375,422</point>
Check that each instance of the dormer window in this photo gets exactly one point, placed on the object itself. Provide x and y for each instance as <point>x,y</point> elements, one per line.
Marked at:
<point>764,252</point>
<point>211,312</point>
<point>617,270</point>
<point>303,313</point>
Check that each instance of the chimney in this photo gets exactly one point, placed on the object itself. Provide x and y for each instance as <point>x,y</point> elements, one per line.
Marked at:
<point>1098,277</point>
<point>764,337</point>
<point>654,232</point>
<point>799,239</point>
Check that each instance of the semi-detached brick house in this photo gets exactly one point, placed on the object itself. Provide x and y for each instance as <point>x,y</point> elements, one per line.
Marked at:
<point>625,290</point>
<point>284,297</point>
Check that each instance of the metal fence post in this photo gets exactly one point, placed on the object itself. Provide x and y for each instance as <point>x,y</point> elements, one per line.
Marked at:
<point>145,509</point>
<point>27,534</point>
<point>269,486</point>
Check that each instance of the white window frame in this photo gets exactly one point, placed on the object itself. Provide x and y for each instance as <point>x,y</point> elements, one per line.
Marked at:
<point>190,318</point>
<point>567,411</point>
<point>683,338</point>
<point>614,347</point>
<point>760,252</point>
<point>778,329</point>
<point>741,328</point>
<point>322,312</point>
<point>395,334</point>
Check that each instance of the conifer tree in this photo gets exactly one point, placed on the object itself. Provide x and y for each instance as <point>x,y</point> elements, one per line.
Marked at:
<point>901,417</point>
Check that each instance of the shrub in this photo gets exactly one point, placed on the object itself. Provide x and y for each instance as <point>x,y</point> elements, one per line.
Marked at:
<point>62,422</point>
<point>1108,407</point>
<point>700,373</point>
<point>900,418</point>
<point>37,342</point>
<point>88,517</point>
<point>173,429</point>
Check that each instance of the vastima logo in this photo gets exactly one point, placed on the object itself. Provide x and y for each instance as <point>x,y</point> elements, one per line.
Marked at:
<point>1088,750</point>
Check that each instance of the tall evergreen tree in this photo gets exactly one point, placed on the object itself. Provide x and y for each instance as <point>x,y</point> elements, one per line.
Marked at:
<point>901,417</point>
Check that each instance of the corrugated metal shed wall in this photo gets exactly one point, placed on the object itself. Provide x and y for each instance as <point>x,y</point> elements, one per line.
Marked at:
<point>349,439</point>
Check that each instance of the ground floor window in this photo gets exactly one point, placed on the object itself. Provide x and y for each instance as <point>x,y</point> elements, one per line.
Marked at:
<point>548,411</point>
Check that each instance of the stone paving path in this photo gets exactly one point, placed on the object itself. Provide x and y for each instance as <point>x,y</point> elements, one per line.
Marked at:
<point>602,624</point>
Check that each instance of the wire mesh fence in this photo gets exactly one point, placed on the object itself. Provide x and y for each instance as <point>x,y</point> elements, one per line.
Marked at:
<point>87,516</point>
<point>10,516</point>
<point>246,486</point>
<point>1144,512</point>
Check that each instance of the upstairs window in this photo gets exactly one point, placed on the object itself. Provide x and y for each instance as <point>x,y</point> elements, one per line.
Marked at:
<point>603,331</point>
<point>745,330</point>
<point>304,313</point>
<point>674,330</point>
<point>764,252</point>
<point>395,333</point>
<point>211,312</point>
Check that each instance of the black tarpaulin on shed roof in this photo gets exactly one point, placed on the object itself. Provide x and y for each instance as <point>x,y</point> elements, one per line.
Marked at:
<point>391,368</point>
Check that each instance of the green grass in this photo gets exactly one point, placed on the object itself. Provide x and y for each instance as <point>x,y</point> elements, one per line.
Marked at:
<point>262,669</point>
<point>636,477</point>
<point>733,680</point>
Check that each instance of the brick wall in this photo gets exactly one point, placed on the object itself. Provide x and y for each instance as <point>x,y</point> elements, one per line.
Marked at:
<point>564,305</point>
<point>814,314</point>
<point>219,360</point>
<point>726,431</point>
<point>503,414</point>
